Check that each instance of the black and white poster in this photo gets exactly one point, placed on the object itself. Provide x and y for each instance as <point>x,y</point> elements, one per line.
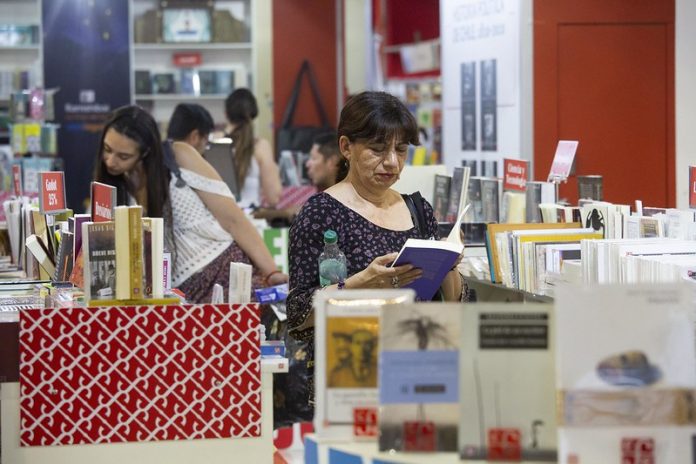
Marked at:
<point>468,79</point>
<point>489,106</point>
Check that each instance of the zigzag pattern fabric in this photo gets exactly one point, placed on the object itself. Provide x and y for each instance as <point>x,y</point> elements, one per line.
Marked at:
<point>146,373</point>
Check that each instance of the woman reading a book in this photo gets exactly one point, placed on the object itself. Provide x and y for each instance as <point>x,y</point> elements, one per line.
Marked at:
<point>258,176</point>
<point>205,230</point>
<point>372,220</point>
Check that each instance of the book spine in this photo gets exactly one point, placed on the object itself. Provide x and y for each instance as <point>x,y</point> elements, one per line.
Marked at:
<point>122,253</point>
<point>135,233</point>
<point>157,249</point>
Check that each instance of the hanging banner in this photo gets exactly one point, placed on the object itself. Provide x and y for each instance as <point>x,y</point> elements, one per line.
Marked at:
<point>86,56</point>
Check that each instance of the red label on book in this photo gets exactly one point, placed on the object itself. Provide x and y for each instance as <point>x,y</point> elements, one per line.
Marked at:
<point>365,422</point>
<point>17,180</point>
<point>419,436</point>
<point>103,202</point>
<point>515,176</point>
<point>637,451</point>
<point>52,198</point>
<point>504,445</point>
<point>563,160</point>
<point>692,187</point>
<point>187,60</point>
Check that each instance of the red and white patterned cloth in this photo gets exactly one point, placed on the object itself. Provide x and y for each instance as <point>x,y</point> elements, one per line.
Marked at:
<point>295,196</point>
<point>104,375</point>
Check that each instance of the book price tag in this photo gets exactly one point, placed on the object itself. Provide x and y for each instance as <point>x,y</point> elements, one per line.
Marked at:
<point>365,422</point>
<point>637,451</point>
<point>563,160</point>
<point>52,192</point>
<point>419,436</point>
<point>17,180</point>
<point>515,175</point>
<point>103,202</point>
<point>692,187</point>
<point>504,445</point>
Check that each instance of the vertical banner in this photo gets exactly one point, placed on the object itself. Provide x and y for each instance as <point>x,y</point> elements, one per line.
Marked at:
<point>480,82</point>
<point>692,187</point>
<point>86,56</point>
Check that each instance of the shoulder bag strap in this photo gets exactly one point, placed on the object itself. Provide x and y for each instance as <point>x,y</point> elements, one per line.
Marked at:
<point>295,94</point>
<point>317,96</point>
<point>415,207</point>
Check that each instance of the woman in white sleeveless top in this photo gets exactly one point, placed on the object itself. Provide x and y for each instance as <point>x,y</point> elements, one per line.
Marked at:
<point>204,227</point>
<point>258,176</point>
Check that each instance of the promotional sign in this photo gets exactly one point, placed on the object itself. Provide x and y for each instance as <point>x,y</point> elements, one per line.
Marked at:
<point>52,192</point>
<point>692,187</point>
<point>515,175</point>
<point>17,180</point>
<point>103,202</point>
<point>563,160</point>
<point>79,36</point>
<point>187,59</point>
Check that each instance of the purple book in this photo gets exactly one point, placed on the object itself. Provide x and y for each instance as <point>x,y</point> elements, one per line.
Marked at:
<point>434,257</point>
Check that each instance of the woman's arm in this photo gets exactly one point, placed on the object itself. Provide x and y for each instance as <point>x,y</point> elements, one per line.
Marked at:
<point>228,213</point>
<point>271,186</point>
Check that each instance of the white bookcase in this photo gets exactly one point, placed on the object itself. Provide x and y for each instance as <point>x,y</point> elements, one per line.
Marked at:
<point>218,61</point>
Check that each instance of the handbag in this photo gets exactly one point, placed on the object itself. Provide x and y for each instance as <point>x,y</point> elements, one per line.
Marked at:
<point>300,138</point>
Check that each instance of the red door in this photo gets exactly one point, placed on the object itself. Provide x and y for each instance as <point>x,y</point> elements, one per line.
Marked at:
<point>604,75</point>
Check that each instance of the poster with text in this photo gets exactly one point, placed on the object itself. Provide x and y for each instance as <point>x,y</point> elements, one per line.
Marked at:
<point>468,76</point>
<point>489,106</point>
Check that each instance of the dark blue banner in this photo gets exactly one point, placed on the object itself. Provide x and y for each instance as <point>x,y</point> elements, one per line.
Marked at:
<point>86,56</point>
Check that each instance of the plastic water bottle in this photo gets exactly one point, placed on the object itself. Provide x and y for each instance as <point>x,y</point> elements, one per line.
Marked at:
<point>332,262</point>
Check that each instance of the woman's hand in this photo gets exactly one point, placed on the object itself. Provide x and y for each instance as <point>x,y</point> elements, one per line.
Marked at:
<point>379,275</point>
<point>277,278</point>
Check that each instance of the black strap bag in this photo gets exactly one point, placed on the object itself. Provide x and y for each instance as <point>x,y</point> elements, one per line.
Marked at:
<point>300,138</point>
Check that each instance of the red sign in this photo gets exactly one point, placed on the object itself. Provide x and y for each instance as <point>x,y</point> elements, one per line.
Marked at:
<point>563,160</point>
<point>515,175</point>
<point>637,451</point>
<point>365,422</point>
<point>504,445</point>
<point>419,436</point>
<point>52,192</point>
<point>187,60</point>
<point>692,187</point>
<point>17,180</point>
<point>103,202</point>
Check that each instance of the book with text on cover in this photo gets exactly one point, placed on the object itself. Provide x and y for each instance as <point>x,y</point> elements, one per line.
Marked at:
<point>436,258</point>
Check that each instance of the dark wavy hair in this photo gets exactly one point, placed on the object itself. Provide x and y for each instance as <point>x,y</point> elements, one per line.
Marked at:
<point>377,116</point>
<point>137,124</point>
<point>241,109</point>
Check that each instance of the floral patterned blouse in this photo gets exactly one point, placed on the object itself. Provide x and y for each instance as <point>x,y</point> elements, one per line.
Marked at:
<point>359,239</point>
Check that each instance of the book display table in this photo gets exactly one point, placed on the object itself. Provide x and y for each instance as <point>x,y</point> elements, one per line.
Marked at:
<point>174,384</point>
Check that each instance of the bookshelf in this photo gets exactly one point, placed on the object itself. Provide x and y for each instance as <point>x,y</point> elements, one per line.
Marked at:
<point>204,72</point>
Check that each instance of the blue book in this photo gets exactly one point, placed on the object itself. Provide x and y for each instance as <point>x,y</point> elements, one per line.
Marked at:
<point>434,257</point>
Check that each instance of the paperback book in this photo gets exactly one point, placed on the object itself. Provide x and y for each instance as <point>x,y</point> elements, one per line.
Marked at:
<point>506,371</point>
<point>441,197</point>
<point>346,352</point>
<point>99,260</point>
<point>418,377</point>
<point>435,257</point>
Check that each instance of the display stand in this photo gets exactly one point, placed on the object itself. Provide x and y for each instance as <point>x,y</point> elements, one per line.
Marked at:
<point>213,451</point>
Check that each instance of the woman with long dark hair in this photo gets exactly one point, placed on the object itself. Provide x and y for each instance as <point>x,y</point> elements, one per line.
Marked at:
<point>258,176</point>
<point>204,227</point>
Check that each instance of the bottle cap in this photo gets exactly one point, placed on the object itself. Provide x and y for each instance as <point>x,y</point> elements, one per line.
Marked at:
<point>330,236</point>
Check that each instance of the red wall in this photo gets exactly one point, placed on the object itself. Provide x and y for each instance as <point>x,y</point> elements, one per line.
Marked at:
<point>304,29</point>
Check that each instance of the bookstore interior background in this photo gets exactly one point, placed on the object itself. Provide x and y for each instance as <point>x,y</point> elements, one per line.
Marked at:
<point>557,151</point>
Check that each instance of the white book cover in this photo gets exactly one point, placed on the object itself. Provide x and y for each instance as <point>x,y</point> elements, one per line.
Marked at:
<point>626,371</point>
<point>507,386</point>
<point>346,352</point>
<point>418,377</point>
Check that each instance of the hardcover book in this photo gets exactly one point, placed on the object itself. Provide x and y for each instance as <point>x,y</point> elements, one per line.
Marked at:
<point>490,199</point>
<point>418,377</point>
<point>506,413</point>
<point>129,252</point>
<point>538,193</point>
<point>346,350</point>
<point>99,260</point>
<point>163,83</point>
<point>208,82</point>
<point>143,83</point>
<point>435,257</point>
<point>153,248</point>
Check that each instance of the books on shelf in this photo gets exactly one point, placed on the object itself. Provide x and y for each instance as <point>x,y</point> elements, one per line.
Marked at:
<point>186,81</point>
<point>346,350</point>
<point>435,257</point>
<point>537,194</point>
<point>418,377</point>
<point>441,197</point>
<point>129,252</point>
<point>458,195</point>
<point>507,413</point>
<point>153,249</point>
<point>99,260</point>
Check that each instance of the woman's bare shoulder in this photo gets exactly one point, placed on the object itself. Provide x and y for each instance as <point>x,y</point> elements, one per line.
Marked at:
<point>188,158</point>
